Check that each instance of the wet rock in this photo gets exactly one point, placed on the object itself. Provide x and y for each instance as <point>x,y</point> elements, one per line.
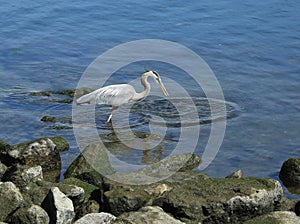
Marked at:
<point>10,199</point>
<point>23,175</point>
<point>97,218</point>
<point>59,207</point>
<point>28,215</point>
<point>43,152</point>
<point>278,217</point>
<point>91,165</point>
<point>237,174</point>
<point>290,174</point>
<point>49,119</point>
<point>147,215</point>
<point>193,197</point>
<point>63,96</point>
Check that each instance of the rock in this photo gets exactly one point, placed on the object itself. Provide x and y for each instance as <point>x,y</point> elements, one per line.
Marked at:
<point>278,217</point>
<point>59,207</point>
<point>43,152</point>
<point>3,168</point>
<point>194,197</point>
<point>89,189</point>
<point>60,96</point>
<point>4,157</point>
<point>23,175</point>
<point>49,119</point>
<point>147,215</point>
<point>297,208</point>
<point>96,218</point>
<point>37,192</point>
<point>10,199</point>
<point>287,204</point>
<point>87,207</point>
<point>28,215</point>
<point>290,174</point>
<point>91,165</point>
<point>237,174</point>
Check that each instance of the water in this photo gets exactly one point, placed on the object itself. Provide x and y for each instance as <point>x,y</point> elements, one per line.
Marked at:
<point>253,47</point>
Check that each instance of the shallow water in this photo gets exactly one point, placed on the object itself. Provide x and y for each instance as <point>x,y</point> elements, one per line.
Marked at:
<point>252,47</point>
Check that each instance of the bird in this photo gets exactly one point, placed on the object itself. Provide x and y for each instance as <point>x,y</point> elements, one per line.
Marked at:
<point>117,95</point>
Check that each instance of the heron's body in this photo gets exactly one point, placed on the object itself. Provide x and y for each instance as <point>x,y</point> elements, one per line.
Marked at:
<point>116,95</point>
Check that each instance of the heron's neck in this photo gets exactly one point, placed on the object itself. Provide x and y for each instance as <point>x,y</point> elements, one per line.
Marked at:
<point>146,91</point>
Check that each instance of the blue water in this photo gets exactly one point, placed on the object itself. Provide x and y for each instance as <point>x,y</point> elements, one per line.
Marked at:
<point>253,47</point>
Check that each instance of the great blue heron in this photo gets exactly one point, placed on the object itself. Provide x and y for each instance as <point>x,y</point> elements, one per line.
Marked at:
<point>116,95</point>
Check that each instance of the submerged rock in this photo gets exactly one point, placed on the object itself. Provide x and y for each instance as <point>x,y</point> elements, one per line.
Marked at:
<point>194,197</point>
<point>43,152</point>
<point>97,218</point>
<point>290,174</point>
<point>59,207</point>
<point>10,199</point>
<point>147,215</point>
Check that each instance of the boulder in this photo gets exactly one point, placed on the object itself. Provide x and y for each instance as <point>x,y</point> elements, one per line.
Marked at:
<point>28,215</point>
<point>23,175</point>
<point>277,217</point>
<point>37,192</point>
<point>194,197</point>
<point>147,215</point>
<point>91,165</point>
<point>236,174</point>
<point>59,207</point>
<point>97,218</point>
<point>43,152</point>
<point>290,174</point>
<point>3,168</point>
<point>10,199</point>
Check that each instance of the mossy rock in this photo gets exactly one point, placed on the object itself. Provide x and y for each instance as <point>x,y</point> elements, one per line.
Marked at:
<point>88,188</point>
<point>84,166</point>
<point>194,197</point>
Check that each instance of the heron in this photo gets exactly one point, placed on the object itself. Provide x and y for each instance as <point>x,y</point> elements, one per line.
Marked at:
<point>117,95</point>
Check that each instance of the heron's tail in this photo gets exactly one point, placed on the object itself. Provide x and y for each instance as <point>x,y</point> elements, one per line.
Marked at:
<point>86,99</point>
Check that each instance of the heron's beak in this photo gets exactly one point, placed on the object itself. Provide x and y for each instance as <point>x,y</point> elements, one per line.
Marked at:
<point>163,88</point>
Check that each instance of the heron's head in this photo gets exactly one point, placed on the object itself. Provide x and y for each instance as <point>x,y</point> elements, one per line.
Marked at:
<point>157,78</point>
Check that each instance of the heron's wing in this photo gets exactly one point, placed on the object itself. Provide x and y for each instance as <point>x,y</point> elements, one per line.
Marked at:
<point>114,95</point>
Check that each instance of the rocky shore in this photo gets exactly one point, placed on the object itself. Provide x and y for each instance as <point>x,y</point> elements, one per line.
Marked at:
<point>31,191</point>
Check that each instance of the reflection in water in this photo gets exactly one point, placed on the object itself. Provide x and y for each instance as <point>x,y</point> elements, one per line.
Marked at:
<point>139,144</point>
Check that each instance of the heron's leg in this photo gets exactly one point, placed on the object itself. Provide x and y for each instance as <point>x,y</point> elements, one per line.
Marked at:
<point>113,110</point>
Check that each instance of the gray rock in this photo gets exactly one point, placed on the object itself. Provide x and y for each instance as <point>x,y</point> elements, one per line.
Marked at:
<point>10,199</point>
<point>278,217</point>
<point>43,152</point>
<point>96,218</point>
<point>23,175</point>
<point>290,175</point>
<point>237,174</point>
<point>59,207</point>
<point>194,197</point>
<point>147,215</point>
<point>28,215</point>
